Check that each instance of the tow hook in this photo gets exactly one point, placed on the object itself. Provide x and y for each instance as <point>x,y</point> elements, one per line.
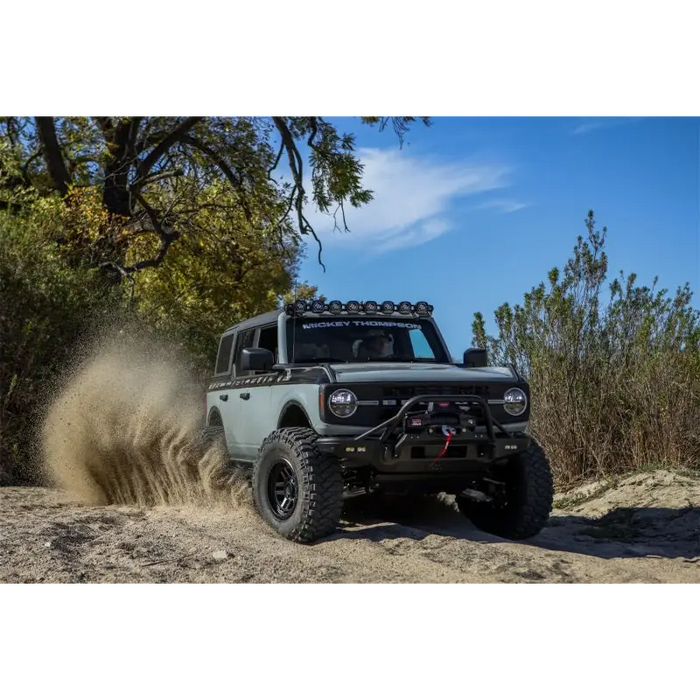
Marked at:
<point>475,495</point>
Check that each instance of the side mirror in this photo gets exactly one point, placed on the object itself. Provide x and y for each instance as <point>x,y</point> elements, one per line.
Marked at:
<point>256,360</point>
<point>475,357</point>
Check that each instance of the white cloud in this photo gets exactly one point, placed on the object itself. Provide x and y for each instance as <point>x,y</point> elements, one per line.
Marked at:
<point>594,122</point>
<point>506,206</point>
<point>412,197</point>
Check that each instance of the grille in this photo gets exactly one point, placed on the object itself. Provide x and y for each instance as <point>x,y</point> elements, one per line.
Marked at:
<point>408,392</point>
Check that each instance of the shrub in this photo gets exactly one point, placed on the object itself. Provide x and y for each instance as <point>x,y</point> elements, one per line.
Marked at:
<point>616,382</point>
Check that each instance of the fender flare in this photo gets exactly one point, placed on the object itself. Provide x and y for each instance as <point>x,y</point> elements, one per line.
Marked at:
<point>293,403</point>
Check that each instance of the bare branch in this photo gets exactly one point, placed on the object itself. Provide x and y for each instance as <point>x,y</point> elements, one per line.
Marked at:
<point>297,196</point>
<point>162,175</point>
<point>46,128</point>
<point>105,124</point>
<point>234,179</point>
<point>166,240</point>
<point>133,133</point>
<point>172,137</point>
<point>277,162</point>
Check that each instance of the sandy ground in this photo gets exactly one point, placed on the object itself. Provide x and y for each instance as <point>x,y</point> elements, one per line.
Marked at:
<point>647,529</point>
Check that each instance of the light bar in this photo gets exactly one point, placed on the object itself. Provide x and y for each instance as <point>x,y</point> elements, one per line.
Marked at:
<point>336,307</point>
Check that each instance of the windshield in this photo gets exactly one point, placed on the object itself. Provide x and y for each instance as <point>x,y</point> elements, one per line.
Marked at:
<point>363,339</point>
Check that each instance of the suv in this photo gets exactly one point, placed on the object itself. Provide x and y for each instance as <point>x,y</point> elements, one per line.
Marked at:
<point>322,401</point>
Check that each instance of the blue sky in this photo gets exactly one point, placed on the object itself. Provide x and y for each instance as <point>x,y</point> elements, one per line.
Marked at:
<point>473,212</point>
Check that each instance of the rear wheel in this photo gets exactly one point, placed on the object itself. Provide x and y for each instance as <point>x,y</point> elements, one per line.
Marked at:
<point>213,433</point>
<point>297,490</point>
<point>523,506</point>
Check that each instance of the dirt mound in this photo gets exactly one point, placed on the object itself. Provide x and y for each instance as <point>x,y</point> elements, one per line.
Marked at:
<point>124,427</point>
<point>650,513</point>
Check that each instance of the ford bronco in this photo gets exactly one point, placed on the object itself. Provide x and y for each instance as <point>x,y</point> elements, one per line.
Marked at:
<point>323,401</point>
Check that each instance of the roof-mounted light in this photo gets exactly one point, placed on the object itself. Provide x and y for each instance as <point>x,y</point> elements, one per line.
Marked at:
<point>423,308</point>
<point>336,307</point>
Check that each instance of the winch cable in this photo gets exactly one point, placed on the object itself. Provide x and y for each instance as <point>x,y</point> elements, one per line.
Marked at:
<point>449,432</point>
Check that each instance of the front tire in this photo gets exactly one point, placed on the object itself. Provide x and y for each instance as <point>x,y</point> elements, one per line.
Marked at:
<point>297,490</point>
<point>524,507</point>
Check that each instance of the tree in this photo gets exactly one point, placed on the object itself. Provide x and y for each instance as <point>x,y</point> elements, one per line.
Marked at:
<point>152,173</point>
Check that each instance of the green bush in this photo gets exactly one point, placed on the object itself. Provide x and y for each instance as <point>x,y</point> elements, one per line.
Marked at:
<point>616,381</point>
<point>45,304</point>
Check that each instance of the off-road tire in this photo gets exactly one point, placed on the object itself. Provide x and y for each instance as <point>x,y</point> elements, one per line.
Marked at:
<point>319,500</point>
<point>529,495</point>
<point>213,433</point>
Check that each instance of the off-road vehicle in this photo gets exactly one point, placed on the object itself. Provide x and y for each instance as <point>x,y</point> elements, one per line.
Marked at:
<point>322,401</point>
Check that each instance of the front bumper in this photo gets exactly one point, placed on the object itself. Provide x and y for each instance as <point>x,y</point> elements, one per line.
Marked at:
<point>392,448</point>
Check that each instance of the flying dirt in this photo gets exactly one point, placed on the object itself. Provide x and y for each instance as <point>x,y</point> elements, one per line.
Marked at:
<point>135,495</point>
<point>124,428</point>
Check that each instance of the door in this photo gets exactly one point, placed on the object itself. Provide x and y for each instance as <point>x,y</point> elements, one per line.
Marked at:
<point>254,417</point>
<point>230,401</point>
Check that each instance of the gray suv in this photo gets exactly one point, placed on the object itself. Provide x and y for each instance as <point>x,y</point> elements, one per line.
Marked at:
<point>322,401</point>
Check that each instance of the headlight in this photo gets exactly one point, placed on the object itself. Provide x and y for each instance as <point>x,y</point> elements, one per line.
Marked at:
<point>515,402</point>
<point>343,403</point>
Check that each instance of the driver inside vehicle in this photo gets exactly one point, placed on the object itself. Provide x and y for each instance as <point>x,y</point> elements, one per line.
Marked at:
<point>376,347</point>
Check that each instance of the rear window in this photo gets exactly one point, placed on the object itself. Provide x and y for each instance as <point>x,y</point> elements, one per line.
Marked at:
<point>223,360</point>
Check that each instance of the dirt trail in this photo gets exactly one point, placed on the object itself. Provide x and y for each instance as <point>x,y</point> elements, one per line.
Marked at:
<point>139,497</point>
<point>646,530</point>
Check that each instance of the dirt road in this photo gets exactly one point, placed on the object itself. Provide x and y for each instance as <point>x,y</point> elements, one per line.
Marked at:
<point>645,530</point>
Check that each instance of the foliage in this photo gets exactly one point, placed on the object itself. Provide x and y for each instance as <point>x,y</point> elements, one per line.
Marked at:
<point>615,383</point>
<point>154,173</point>
<point>45,305</point>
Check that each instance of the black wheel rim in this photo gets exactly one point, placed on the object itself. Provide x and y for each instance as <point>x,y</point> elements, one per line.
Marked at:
<point>282,489</point>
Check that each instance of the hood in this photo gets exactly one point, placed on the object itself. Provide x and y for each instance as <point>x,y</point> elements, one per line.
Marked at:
<point>358,372</point>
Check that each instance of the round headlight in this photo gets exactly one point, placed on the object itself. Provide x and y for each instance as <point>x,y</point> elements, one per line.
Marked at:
<point>371,307</point>
<point>515,402</point>
<point>318,307</point>
<point>343,403</point>
<point>353,307</point>
<point>405,307</point>
<point>300,306</point>
<point>388,307</point>
<point>335,307</point>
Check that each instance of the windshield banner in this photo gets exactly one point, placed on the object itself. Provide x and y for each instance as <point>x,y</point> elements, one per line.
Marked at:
<point>371,324</point>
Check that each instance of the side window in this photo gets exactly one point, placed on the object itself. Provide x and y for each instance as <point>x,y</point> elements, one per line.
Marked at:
<point>421,346</point>
<point>244,339</point>
<point>223,360</point>
<point>268,340</point>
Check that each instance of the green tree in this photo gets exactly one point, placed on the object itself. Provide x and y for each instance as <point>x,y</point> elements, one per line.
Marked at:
<point>153,173</point>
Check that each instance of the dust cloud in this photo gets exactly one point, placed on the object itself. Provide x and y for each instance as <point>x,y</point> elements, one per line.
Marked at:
<point>124,427</point>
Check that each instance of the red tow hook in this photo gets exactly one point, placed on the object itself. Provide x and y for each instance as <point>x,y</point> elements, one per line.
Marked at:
<point>449,433</point>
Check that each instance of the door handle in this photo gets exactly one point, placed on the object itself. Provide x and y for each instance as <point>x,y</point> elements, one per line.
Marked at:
<point>224,397</point>
<point>245,395</point>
